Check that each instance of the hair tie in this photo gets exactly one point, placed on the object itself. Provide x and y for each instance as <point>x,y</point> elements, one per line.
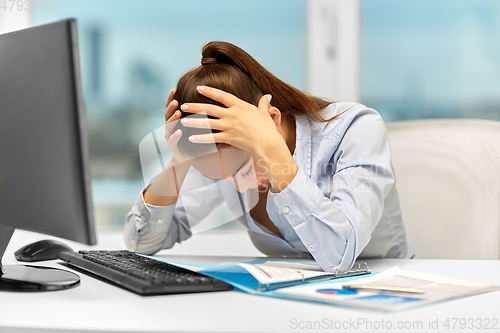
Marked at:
<point>205,61</point>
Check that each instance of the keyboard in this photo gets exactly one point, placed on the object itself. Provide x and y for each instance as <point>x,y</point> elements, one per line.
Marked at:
<point>142,275</point>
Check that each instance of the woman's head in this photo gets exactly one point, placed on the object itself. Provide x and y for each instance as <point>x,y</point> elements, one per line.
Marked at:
<point>233,70</point>
<point>218,75</point>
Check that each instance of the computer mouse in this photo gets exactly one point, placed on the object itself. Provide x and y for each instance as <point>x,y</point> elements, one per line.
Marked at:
<point>42,250</point>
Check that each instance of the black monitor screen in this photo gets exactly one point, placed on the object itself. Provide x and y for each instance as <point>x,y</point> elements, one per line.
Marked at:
<point>45,182</point>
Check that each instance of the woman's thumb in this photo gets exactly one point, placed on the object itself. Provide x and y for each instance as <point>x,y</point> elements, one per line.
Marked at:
<point>265,102</point>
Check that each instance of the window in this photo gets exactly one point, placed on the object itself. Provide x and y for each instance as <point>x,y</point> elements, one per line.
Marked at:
<point>431,58</point>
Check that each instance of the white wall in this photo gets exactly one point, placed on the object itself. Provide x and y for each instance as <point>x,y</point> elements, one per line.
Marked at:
<point>333,49</point>
<point>12,19</point>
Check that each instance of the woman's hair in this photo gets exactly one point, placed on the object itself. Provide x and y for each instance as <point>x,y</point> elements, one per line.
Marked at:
<point>237,73</point>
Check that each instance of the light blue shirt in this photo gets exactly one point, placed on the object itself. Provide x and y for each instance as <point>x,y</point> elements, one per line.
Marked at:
<point>341,205</point>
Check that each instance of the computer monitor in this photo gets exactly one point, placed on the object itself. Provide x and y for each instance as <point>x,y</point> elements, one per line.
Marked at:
<point>45,182</point>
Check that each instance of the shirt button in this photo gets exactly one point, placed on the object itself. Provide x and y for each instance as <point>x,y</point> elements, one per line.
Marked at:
<point>311,247</point>
<point>132,242</point>
<point>159,221</point>
<point>143,218</point>
<point>286,209</point>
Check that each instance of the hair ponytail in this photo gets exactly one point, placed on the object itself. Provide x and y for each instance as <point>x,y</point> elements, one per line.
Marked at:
<point>289,100</point>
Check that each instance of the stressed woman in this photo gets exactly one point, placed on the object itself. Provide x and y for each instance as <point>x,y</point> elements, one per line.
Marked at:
<point>305,176</point>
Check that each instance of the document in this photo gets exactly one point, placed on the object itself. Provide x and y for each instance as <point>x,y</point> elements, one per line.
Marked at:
<point>269,274</point>
<point>416,289</point>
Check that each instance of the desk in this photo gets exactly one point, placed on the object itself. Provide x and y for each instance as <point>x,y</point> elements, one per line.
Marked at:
<point>96,306</point>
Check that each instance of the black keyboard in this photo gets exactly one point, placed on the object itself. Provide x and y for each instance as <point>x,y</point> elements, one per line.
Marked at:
<point>142,275</point>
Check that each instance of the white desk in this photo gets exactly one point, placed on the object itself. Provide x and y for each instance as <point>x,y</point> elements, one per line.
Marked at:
<point>96,306</point>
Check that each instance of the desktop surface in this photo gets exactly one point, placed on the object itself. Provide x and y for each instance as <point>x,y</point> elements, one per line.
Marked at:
<point>96,306</point>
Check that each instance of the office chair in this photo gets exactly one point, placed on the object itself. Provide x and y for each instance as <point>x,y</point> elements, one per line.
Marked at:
<point>448,178</point>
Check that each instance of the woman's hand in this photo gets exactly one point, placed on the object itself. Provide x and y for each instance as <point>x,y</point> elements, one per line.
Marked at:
<point>241,124</point>
<point>246,127</point>
<point>172,116</point>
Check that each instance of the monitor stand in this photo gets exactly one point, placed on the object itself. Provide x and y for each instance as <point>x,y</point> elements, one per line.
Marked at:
<point>31,278</point>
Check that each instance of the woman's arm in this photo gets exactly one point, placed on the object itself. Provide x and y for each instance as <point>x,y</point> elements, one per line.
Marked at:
<point>157,220</point>
<point>165,188</point>
<point>150,228</point>
<point>336,227</point>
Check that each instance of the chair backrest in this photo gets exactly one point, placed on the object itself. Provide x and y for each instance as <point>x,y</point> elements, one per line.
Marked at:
<point>448,178</point>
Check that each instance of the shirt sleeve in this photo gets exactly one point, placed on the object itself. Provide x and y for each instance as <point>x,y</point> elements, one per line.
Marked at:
<point>149,228</point>
<point>336,228</point>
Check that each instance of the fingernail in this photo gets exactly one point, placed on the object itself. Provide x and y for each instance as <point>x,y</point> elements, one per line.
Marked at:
<point>184,107</point>
<point>178,132</point>
<point>200,88</point>
<point>192,138</point>
<point>184,121</point>
<point>269,97</point>
<point>171,103</point>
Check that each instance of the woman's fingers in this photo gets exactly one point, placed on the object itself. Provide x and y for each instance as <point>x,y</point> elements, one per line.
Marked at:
<point>171,123</point>
<point>170,97</point>
<point>265,103</point>
<point>171,108</point>
<point>210,109</point>
<point>202,123</point>
<point>176,115</point>
<point>173,139</point>
<point>218,95</point>
<point>208,138</point>
<point>171,104</point>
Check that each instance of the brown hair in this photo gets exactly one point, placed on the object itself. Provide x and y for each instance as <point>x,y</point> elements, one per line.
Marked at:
<point>236,72</point>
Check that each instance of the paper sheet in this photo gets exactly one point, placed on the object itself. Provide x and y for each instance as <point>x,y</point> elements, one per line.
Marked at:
<point>269,273</point>
<point>436,288</point>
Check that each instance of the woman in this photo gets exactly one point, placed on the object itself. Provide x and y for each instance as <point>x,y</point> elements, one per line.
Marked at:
<point>313,178</point>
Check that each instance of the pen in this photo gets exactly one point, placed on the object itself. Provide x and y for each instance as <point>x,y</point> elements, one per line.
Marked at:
<point>382,289</point>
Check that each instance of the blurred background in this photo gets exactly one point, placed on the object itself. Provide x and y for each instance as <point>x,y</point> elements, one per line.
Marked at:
<point>411,59</point>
